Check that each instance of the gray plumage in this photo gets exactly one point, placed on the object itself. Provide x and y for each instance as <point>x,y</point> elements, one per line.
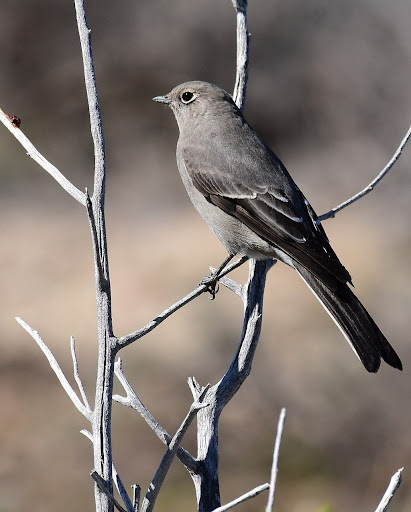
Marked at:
<point>249,200</point>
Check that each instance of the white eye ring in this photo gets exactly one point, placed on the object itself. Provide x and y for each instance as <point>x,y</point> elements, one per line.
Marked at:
<point>188,97</point>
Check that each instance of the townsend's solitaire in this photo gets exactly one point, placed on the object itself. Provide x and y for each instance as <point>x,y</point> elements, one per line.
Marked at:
<point>249,200</point>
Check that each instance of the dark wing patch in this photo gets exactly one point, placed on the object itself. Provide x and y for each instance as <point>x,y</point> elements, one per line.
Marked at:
<point>279,214</point>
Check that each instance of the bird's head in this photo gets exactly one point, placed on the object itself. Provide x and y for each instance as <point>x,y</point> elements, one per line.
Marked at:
<point>194,102</point>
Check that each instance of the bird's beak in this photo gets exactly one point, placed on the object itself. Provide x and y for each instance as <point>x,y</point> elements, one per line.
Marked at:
<point>162,99</point>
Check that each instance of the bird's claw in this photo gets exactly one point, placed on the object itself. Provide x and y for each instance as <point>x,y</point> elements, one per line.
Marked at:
<point>211,282</point>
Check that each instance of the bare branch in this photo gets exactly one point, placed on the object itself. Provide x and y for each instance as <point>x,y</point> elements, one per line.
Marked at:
<point>232,285</point>
<point>133,401</point>
<point>136,497</point>
<point>274,467</point>
<point>101,425</point>
<point>93,104</point>
<point>77,375</point>
<point>41,160</point>
<point>251,494</point>
<point>372,185</point>
<point>194,386</point>
<point>392,488</point>
<point>102,485</point>
<point>126,340</point>
<point>206,480</point>
<point>243,45</point>
<point>122,490</point>
<point>161,473</point>
<point>57,370</point>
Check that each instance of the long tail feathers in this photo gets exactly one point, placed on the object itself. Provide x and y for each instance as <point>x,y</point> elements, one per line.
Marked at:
<point>357,326</point>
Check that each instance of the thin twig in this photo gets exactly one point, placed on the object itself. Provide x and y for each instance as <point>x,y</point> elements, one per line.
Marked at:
<point>57,370</point>
<point>194,386</point>
<point>92,97</point>
<point>232,285</point>
<point>122,490</point>
<point>133,401</point>
<point>251,494</point>
<point>136,497</point>
<point>126,340</point>
<point>77,375</point>
<point>274,467</point>
<point>41,160</point>
<point>372,185</point>
<point>102,485</point>
<point>243,49</point>
<point>392,488</point>
<point>161,473</point>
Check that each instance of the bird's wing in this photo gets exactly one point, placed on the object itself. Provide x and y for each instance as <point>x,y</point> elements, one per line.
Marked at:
<point>257,190</point>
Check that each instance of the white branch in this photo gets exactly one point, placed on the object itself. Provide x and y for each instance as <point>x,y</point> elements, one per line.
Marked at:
<point>243,44</point>
<point>77,375</point>
<point>373,184</point>
<point>41,160</point>
<point>126,340</point>
<point>274,467</point>
<point>93,104</point>
<point>136,497</point>
<point>86,412</point>
<point>251,494</point>
<point>392,488</point>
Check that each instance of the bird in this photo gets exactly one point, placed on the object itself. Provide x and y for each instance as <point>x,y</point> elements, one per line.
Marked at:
<point>252,204</point>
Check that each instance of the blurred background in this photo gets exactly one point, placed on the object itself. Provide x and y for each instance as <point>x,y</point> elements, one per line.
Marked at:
<point>329,90</point>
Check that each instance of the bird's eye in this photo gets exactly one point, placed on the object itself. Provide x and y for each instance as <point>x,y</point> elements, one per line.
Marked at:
<point>187,97</point>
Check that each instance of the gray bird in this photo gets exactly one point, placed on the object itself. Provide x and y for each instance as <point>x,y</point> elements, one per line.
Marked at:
<point>249,200</point>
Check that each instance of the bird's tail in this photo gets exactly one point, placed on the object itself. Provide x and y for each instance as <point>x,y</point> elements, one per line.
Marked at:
<point>360,330</point>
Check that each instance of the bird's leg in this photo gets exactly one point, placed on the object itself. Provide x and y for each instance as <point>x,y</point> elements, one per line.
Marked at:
<point>211,281</point>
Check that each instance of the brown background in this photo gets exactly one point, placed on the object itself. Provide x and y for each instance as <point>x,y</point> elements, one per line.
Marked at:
<point>329,91</point>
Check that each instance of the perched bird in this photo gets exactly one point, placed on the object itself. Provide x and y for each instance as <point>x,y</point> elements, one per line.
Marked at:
<point>249,200</point>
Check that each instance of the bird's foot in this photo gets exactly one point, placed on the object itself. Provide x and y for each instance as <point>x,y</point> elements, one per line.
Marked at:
<point>211,282</point>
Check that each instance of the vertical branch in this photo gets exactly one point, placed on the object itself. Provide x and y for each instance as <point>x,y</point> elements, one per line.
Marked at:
<point>243,45</point>
<point>274,467</point>
<point>106,351</point>
<point>206,478</point>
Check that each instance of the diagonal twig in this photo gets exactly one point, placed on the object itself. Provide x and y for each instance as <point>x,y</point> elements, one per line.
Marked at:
<point>247,496</point>
<point>77,375</point>
<point>133,401</point>
<point>41,160</point>
<point>57,370</point>
<point>161,473</point>
<point>126,340</point>
<point>102,485</point>
<point>392,488</point>
<point>370,186</point>
<point>274,467</point>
